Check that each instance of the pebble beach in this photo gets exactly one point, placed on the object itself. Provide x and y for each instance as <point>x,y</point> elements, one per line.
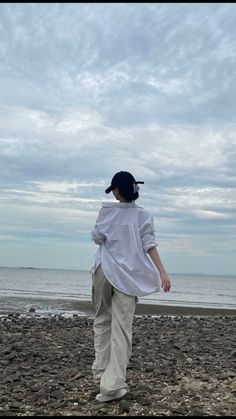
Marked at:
<point>181,365</point>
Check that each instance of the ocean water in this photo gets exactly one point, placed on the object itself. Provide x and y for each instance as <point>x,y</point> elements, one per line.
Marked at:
<point>22,287</point>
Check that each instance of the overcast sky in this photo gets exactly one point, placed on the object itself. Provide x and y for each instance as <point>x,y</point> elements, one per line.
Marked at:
<point>87,90</point>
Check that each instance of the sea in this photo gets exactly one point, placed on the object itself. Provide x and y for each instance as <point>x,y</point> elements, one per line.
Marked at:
<point>57,291</point>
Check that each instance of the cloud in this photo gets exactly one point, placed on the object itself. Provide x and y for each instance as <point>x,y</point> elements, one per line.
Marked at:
<point>88,90</point>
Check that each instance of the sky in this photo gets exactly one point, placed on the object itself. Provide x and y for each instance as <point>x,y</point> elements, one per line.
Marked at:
<point>89,89</point>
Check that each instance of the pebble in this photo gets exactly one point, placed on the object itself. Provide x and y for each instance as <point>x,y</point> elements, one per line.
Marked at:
<point>178,366</point>
<point>124,407</point>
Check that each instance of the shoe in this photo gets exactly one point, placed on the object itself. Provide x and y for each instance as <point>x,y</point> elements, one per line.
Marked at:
<point>112,396</point>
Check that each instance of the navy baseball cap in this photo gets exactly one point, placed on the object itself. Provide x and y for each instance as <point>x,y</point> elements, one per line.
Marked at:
<point>122,180</point>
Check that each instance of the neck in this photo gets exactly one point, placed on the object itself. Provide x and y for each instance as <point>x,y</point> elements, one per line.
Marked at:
<point>123,200</point>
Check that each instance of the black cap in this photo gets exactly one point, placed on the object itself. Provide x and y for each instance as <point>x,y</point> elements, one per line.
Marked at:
<point>122,180</point>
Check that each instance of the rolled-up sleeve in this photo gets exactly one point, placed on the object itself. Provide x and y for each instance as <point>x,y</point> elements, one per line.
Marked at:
<point>97,234</point>
<point>148,234</point>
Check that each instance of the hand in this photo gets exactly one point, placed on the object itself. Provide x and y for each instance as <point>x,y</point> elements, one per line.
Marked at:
<point>165,282</point>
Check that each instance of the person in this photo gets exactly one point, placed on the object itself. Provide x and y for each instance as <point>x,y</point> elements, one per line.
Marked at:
<point>127,265</point>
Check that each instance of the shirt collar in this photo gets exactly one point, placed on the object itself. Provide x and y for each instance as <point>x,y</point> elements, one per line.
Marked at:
<point>119,204</point>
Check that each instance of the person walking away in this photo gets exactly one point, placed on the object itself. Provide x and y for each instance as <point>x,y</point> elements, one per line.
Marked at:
<point>127,265</point>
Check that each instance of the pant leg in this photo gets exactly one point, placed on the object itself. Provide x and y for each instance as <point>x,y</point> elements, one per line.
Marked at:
<point>123,309</point>
<point>102,297</point>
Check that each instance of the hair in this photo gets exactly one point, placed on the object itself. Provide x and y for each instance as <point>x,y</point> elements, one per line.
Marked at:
<point>127,193</point>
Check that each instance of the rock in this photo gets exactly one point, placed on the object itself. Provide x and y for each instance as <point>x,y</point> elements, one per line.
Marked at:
<point>143,400</point>
<point>12,355</point>
<point>4,399</point>
<point>232,354</point>
<point>179,409</point>
<point>45,367</point>
<point>7,350</point>
<point>195,411</point>
<point>149,368</point>
<point>16,377</point>
<point>124,407</point>
<point>32,310</point>
<point>15,406</point>
<point>18,346</point>
<point>183,391</point>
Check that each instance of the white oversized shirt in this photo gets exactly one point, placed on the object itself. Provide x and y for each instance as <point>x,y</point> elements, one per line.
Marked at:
<point>125,233</point>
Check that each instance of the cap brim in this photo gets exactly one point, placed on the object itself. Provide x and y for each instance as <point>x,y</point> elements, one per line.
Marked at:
<point>108,190</point>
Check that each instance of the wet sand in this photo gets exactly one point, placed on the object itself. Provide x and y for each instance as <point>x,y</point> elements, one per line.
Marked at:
<point>160,309</point>
<point>56,306</point>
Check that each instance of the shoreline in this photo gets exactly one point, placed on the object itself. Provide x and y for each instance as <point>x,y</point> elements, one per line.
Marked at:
<point>49,307</point>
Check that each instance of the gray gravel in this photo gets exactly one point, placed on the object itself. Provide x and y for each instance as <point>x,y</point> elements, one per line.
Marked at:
<point>180,366</point>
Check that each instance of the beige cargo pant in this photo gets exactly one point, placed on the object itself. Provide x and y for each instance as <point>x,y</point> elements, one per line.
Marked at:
<point>114,313</point>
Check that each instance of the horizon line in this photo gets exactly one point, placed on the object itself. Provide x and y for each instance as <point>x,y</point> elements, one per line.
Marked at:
<point>88,270</point>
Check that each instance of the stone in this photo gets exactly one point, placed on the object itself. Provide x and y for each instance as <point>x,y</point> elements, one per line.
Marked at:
<point>124,407</point>
<point>47,353</point>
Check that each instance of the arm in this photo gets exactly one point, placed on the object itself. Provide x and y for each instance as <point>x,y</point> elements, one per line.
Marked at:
<point>96,234</point>
<point>165,281</point>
